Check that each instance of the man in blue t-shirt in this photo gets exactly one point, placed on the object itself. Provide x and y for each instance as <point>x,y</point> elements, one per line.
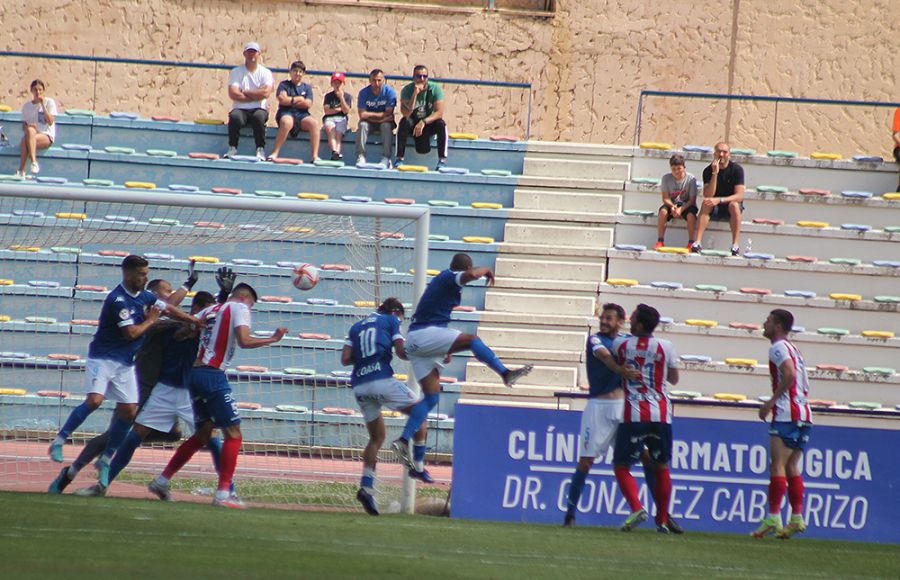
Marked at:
<point>369,347</point>
<point>128,312</point>
<point>295,99</point>
<point>376,105</point>
<point>430,341</point>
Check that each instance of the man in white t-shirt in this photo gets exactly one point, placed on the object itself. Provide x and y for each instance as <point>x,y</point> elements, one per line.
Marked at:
<point>249,87</point>
<point>38,126</point>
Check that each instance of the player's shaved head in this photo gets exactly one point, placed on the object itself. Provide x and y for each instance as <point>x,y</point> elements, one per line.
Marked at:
<point>783,318</point>
<point>391,306</point>
<point>160,287</point>
<point>134,262</point>
<point>244,290</point>
<point>202,299</point>
<point>461,262</point>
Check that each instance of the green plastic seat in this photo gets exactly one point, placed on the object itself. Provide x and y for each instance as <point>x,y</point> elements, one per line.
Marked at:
<point>269,193</point>
<point>442,203</point>
<point>97,182</point>
<point>887,299</point>
<point>80,113</point>
<point>292,408</point>
<point>711,288</point>
<point>164,221</point>
<point>299,371</point>
<point>648,180</point>
<point>772,188</point>
<point>892,229</point>
<point>717,253</point>
<point>833,331</point>
<point>781,153</point>
<point>638,212</point>
<point>121,150</point>
<point>438,237</point>
<point>65,250</point>
<point>885,371</point>
<point>328,163</point>
<point>742,151</point>
<point>846,261</point>
<point>162,153</point>
<point>8,177</point>
<point>496,172</point>
<point>686,394</point>
<point>864,405</point>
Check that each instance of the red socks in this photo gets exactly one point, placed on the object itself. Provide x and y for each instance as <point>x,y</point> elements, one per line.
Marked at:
<point>777,485</point>
<point>661,495</point>
<point>182,455</point>
<point>628,486</point>
<point>228,461</point>
<point>795,494</point>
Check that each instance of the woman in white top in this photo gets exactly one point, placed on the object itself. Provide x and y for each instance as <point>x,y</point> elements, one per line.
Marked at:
<point>38,126</point>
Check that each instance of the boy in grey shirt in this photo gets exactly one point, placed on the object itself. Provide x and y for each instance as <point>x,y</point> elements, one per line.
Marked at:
<point>679,195</point>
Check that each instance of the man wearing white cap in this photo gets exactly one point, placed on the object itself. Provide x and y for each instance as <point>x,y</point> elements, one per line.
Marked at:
<point>249,87</point>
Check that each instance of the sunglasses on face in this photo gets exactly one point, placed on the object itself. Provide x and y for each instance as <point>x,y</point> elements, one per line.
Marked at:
<point>421,76</point>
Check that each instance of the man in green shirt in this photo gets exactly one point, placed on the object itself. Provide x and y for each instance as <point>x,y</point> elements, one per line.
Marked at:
<point>422,107</point>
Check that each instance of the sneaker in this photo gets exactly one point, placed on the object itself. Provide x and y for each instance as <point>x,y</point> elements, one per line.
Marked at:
<point>771,524</point>
<point>95,490</point>
<point>403,452</point>
<point>232,151</point>
<point>422,476</point>
<point>569,521</point>
<point>160,490</point>
<point>689,245</point>
<point>512,377</point>
<point>35,168</point>
<point>674,526</point>
<point>696,247</point>
<point>386,161</point>
<point>663,529</point>
<point>56,452</point>
<point>440,163</point>
<point>260,153</point>
<point>229,501</point>
<point>398,162</point>
<point>61,482</point>
<point>335,156</point>
<point>102,466</point>
<point>360,160</point>
<point>796,525</point>
<point>368,501</point>
<point>735,250</point>
<point>634,520</point>
<point>20,173</point>
<point>658,245</point>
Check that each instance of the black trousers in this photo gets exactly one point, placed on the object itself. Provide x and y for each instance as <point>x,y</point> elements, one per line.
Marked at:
<point>423,142</point>
<point>240,118</point>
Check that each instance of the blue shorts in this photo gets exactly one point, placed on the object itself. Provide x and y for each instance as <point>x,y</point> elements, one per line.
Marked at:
<point>795,434</point>
<point>212,399</point>
<point>631,438</point>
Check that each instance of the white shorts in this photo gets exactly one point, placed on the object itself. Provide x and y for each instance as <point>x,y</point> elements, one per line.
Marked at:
<point>427,347</point>
<point>599,422</point>
<point>339,123</point>
<point>390,393</point>
<point>112,379</point>
<point>164,406</point>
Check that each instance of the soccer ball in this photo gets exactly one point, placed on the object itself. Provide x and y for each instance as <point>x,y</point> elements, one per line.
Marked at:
<point>306,276</point>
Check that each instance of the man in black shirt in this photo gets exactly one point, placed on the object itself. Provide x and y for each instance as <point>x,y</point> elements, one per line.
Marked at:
<point>723,196</point>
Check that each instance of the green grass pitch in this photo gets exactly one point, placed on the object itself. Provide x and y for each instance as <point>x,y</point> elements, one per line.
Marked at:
<point>43,536</point>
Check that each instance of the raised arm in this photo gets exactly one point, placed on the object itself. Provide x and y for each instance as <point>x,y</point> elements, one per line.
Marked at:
<point>246,340</point>
<point>475,273</point>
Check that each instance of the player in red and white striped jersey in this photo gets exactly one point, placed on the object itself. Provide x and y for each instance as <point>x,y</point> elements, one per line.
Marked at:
<point>227,326</point>
<point>791,423</point>
<point>648,415</point>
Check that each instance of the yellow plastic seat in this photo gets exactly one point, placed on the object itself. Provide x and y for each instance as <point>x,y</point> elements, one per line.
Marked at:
<point>478,239</point>
<point>4,318</point>
<point>5,108</point>
<point>417,168</point>
<point>893,195</point>
<point>741,362</point>
<point>673,250</point>
<point>877,334</point>
<point>701,322</point>
<point>821,155</point>
<point>463,136</point>
<point>67,215</point>
<point>203,121</point>
<point>140,184</point>
<point>729,397</point>
<point>205,259</point>
<point>319,196</point>
<point>299,230</point>
<point>844,296</point>
<point>11,391</point>
<point>486,205</point>
<point>364,303</point>
<point>6,282</point>
<point>20,248</point>
<point>812,224</point>
<point>429,272</point>
<point>655,145</point>
<point>621,282</point>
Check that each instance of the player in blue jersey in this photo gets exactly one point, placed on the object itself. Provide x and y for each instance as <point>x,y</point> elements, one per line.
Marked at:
<point>128,312</point>
<point>430,342</point>
<point>369,347</point>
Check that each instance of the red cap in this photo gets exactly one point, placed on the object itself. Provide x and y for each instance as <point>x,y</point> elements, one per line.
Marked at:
<point>338,76</point>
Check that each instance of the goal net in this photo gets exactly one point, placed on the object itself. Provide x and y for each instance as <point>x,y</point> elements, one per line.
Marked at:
<point>60,251</point>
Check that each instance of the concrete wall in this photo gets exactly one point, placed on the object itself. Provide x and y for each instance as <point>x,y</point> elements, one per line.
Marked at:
<point>588,62</point>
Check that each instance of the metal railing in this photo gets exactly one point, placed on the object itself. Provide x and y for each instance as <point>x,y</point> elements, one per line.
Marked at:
<point>227,67</point>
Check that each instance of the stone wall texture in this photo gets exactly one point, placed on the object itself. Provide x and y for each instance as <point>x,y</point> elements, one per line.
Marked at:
<point>587,62</point>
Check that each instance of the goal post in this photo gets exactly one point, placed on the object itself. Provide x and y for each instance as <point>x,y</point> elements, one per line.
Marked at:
<point>57,240</point>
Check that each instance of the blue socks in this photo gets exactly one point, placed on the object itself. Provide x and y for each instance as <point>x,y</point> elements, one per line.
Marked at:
<point>483,353</point>
<point>368,478</point>
<point>76,418</point>
<point>124,454</point>
<point>215,449</point>
<point>575,490</point>
<point>419,450</point>
<point>418,415</point>
<point>118,429</point>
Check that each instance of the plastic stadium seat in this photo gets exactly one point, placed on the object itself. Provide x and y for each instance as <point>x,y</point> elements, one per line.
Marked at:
<point>287,161</point>
<point>252,368</point>
<point>120,218</point>
<point>871,405</point>
<point>510,138</point>
<point>716,253</point>
<point>821,155</point>
<point>453,170</point>
<point>745,325</point>
<point>846,261</point>
<point>869,158</point>
<point>807,259</point>
<point>701,322</point>
<point>390,413</point>
<point>438,237</point>
<point>697,358</point>
<point>165,118</point>
<point>758,256</point>
<point>877,334</point>
<point>65,250</point>
<point>205,121</point>
<point>5,317</point>
<point>621,282</point>
<point>822,403</point>
<point>781,153</point>
<point>279,299</point>
<point>833,331</point>
<point>631,247</point>
<point>184,188</point>
<point>742,151</point>
<point>18,248</point>
<point>287,264</point>
<point>442,203</point>
<point>337,411</point>
<point>76,147</point>
<point>91,288</point>
<point>812,224</point>
<point>384,269</point>
<point>697,148</point>
<point>470,136</point>
<point>857,194</point>
<point>655,145</point>
<point>12,391</point>
<point>478,239</point>
<point>322,301</point>
<point>496,172</point>
<point>43,284</point>
<point>356,198</point>
<point>884,371</point>
<point>337,267</point>
<point>832,367</point>
<point>813,191</point>
<point>374,166</point>
<point>245,158</point>
<point>68,215</point>
<point>666,320</point>
<point>205,259</point>
<point>442,379</point>
<point>317,196</point>
<point>246,262</point>
<point>140,184</point>
<point>730,397</point>
<point>51,180</point>
<point>891,196</point>
<point>486,205</point>
<point>673,250</point>
<point>80,112</point>
<point>639,212</point>
<point>164,221</point>
<point>646,180</point>
<point>891,229</point>
<point>856,227</point>
<point>772,188</point>
<point>328,163</point>
<point>162,153</point>
<point>741,362</point>
<point>685,394</point>
<point>667,285</point>
<point>248,406</point>
<point>760,291</point>
<point>717,288</point>
<point>211,225</point>
<point>119,150</point>
<point>268,193</point>
<point>197,155</point>
<point>84,322</point>
<point>28,213</point>
<point>5,108</point>
<point>800,293</point>
<point>391,235</point>
<point>40,320</point>
<point>844,296</point>
<point>231,190</point>
<point>886,263</point>
<point>464,308</point>
<point>159,256</point>
<point>399,200</point>
<point>768,221</point>
<point>428,272</point>
<point>291,409</point>
<point>97,182</point>
<point>364,303</point>
<point>57,394</point>
<point>123,115</point>
<point>314,336</point>
<point>298,371</point>
<point>413,168</point>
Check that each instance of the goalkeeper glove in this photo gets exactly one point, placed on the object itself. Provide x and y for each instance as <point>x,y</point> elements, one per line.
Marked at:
<point>225,277</point>
<point>192,277</point>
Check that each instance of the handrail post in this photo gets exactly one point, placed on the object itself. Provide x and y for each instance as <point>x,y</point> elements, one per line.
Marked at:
<point>637,122</point>
<point>775,127</point>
